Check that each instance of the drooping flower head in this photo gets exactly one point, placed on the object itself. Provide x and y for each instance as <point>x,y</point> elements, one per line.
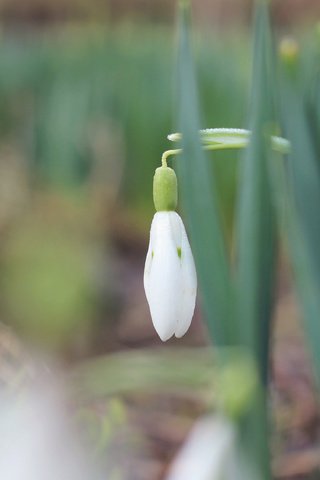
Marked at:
<point>170,279</point>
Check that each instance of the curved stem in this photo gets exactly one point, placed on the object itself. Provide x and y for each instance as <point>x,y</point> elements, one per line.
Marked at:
<point>167,154</point>
<point>218,146</point>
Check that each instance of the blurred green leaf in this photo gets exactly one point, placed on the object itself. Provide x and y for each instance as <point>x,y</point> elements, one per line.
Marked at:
<point>199,201</point>
<point>212,372</point>
<point>256,236</point>
<point>301,189</point>
<point>144,369</point>
<point>302,260</point>
<point>256,221</point>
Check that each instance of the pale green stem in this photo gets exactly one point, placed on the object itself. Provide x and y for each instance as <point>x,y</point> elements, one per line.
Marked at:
<point>167,154</point>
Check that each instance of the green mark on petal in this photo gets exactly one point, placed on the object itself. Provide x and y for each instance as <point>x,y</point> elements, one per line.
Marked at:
<point>152,254</point>
<point>179,252</point>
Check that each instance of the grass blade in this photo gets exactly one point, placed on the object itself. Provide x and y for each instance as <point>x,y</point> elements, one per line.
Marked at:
<point>301,259</point>
<point>256,222</point>
<point>256,235</point>
<point>199,200</point>
<point>302,195</point>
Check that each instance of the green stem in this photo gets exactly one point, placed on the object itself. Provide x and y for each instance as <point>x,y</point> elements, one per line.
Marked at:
<point>167,154</point>
<point>178,151</point>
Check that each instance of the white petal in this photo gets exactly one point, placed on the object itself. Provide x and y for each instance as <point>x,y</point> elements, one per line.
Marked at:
<point>163,274</point>
<point>207,451</point>
<point>188,286</point>
<point>169,277</point>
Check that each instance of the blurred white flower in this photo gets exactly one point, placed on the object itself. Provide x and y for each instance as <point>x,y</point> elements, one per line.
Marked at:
<point>212,452</point>
<point>170,279</point>
<point>36,438</point>
<point>208,449</point>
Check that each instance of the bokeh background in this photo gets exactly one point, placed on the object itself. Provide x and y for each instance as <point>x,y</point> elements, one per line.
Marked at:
<point>86,103</point>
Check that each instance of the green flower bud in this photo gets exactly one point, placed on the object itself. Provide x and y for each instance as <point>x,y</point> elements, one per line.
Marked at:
<point>165,189</point>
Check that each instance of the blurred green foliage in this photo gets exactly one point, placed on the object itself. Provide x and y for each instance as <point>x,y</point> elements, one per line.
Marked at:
<point>57,89</point>
<point>84,115</point>
<point>46,286</point>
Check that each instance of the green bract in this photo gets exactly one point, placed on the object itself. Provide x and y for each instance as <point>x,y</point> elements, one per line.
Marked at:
<point>165,189</point>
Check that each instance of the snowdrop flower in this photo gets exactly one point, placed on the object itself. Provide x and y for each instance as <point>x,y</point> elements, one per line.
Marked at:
<point>170,279</point>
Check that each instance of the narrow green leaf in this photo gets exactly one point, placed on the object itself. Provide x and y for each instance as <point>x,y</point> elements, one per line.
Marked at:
<point>303,167</point>
<point>301,258</point>
<point>303,199</point>
<point>199,200</point>
<point>256,236</point>
<point>308,286</point>
<point>256,222</point>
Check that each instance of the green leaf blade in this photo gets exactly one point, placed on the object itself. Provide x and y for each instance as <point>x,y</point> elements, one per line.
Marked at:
<point>256,235</point>
<point>200,203</point>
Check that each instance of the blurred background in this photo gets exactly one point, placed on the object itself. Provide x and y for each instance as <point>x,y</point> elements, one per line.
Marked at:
<point>86,104</point>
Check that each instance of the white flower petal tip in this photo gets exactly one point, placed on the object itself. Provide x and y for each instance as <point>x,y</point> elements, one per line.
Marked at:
<point>207,453</point>
<point>170,279</point>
